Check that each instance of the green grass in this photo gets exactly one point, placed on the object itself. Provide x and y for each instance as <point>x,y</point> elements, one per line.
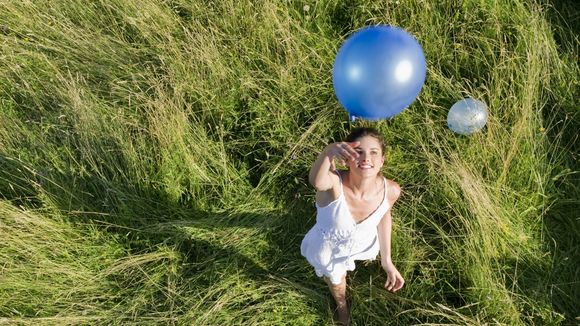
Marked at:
<point>154,158</point>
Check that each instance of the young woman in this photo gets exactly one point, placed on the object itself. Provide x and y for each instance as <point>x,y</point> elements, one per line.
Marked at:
<point>353,207</point>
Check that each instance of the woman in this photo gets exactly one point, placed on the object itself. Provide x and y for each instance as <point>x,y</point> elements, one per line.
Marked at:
<point>353,220</point>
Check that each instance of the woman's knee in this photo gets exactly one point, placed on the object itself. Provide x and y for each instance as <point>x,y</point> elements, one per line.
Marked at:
<point>332,284</point>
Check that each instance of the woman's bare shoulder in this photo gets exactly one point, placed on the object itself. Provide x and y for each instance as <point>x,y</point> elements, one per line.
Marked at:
<point>393,191</point>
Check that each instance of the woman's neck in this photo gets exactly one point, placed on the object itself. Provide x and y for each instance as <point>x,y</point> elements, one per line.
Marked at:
<point>361,187</point>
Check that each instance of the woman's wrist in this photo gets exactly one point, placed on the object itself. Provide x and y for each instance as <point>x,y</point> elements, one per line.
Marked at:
<point>386,263</point>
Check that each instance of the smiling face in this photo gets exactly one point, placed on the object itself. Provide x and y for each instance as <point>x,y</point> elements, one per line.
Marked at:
<point>370,160</point>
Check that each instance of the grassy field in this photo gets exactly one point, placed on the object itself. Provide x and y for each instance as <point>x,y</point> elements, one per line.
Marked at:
<point>154,159</point>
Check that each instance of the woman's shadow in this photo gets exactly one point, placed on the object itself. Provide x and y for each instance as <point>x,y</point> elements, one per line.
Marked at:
<point>261,247</point>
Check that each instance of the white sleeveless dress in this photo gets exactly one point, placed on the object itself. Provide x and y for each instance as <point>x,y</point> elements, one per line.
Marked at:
<point>336,240</point>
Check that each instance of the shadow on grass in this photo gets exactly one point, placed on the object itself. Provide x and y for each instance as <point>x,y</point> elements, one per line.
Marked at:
<point>214,244</point>
<point>565,15</point>
<point>260,248</point>
<point>561,222</point>
<point>563,238</point>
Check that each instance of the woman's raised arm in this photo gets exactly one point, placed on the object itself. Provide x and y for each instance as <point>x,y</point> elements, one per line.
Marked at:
<point>319,176</point>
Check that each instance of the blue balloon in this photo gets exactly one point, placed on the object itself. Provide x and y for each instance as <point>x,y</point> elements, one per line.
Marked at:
<point>378,72</point>
<point>467,116</point>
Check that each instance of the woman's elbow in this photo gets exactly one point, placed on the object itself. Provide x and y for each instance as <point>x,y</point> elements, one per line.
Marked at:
<point>320,184</point>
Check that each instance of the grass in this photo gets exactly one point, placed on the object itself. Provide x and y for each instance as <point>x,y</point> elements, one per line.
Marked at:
<point>153,163</point>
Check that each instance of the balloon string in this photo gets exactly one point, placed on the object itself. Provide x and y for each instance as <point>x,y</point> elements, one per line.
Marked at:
<point>351,121</point>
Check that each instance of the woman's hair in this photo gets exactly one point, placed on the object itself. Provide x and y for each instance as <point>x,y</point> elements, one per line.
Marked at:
<point>360,132</point>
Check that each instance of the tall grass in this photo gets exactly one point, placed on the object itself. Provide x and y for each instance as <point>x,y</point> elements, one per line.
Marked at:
<point>153,162</point>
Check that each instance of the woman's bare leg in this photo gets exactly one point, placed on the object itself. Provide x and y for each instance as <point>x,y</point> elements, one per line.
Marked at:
<point>338,292</point>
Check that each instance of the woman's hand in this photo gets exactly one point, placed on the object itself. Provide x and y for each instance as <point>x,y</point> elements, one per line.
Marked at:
<point>342,151</point>
<point>320,172</point>
<point>394,279</point>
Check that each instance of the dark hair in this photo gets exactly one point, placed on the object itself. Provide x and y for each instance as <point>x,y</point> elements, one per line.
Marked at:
<point>360,132</point>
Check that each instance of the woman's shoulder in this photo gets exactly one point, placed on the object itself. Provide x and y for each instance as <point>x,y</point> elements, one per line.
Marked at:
<point>393,190</point>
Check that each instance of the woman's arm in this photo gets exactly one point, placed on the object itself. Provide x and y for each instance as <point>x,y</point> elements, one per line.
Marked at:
<point>321,178</point>
<point>394,279</point>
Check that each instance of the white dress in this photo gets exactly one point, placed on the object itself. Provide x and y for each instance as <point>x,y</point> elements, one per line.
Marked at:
<point>336,240</point>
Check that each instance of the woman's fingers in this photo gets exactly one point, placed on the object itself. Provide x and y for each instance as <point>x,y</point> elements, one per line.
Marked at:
<point>390,282</point>
<point>344,151</point>
<point>354,144</point>
<point>394,282</point>
<point>351,148</point>
<point>347,150</point>
<point>399,284</point>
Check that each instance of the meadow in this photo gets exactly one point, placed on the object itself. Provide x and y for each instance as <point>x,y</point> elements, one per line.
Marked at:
<point>154,157</point>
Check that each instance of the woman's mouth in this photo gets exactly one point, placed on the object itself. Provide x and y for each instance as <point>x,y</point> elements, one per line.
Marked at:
<point>365,166</point>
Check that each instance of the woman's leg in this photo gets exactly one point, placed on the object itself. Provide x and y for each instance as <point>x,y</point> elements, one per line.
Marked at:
<point>338,292</point>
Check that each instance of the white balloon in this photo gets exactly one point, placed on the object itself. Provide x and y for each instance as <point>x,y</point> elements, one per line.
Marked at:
<point>467,116</point>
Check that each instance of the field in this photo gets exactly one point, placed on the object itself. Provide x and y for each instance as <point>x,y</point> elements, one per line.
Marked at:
<point>154,159</point>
